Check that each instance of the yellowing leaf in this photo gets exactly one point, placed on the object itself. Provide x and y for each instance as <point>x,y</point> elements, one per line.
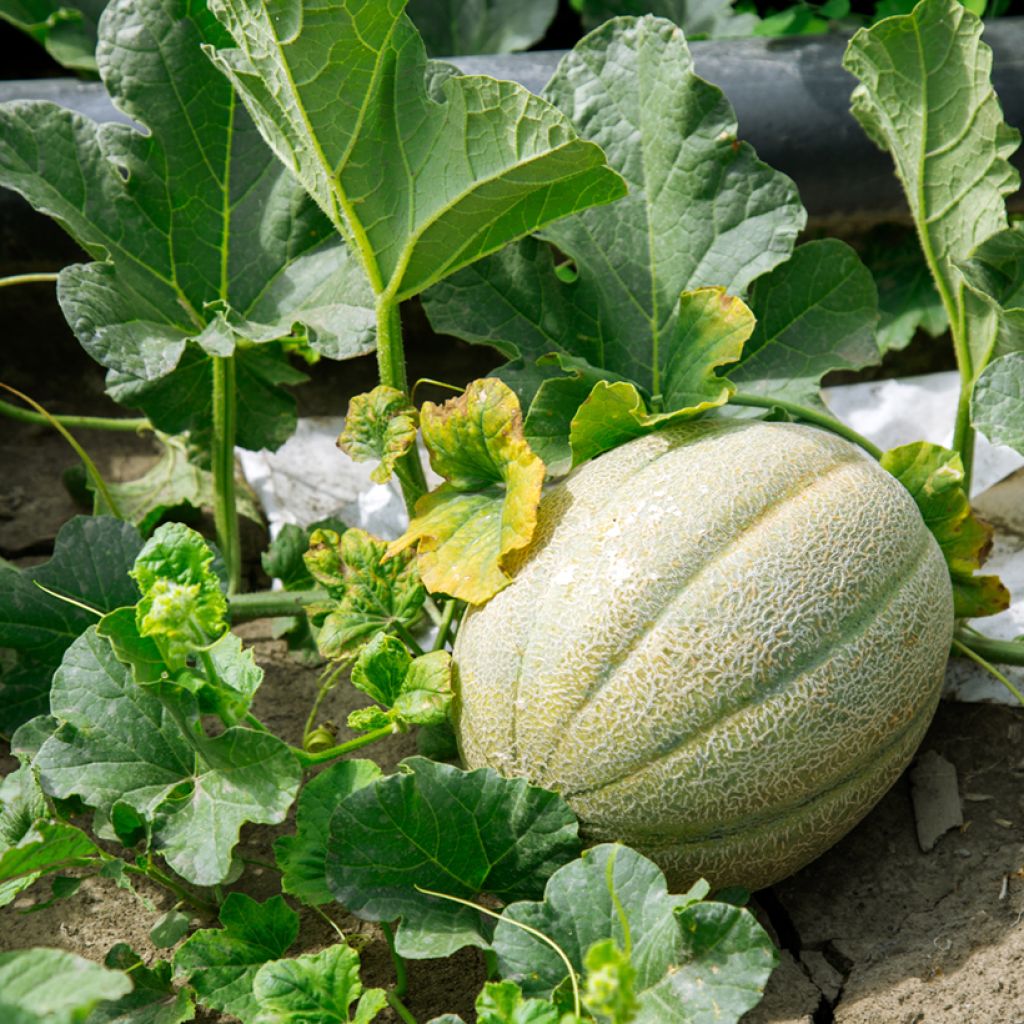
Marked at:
<point>487,509</point>
<point>710,331</point>
<point>934,476</point>
<point>380,425</point>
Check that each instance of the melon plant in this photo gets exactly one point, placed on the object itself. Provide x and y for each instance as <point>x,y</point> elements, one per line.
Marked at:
<point>723,645</point>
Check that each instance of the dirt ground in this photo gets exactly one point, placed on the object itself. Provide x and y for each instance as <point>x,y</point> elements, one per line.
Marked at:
<point>874,932</point>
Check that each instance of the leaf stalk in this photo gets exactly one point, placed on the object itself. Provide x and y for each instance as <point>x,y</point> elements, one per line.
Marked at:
<point>809,415</point>
<point>222,458</point>
<point>308,759</point>
<point>75,422</point>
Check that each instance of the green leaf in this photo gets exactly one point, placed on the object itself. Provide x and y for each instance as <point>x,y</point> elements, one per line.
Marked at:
<point>609,992</point>
<point>926,96</point>
<point>426,692</point>
<point>183,399</point>
<point>170,928</point>
<point>154,1000</point>
<point>368,718</point>
<point>68,31</point>
<point>221,963</point>
<point>907,299</point>
<point>197,230</point>
<point>502,1002</point>
<point>381,668</point>
<point>369,594</point>
<point>710,331</point>
<point>934,476</point>
<point>379,426</point>
<point>50,986</point>
<point>451,28</point>
<point>90,563</point>
<point>22,804</point>
<point>423,170</point>
<point>702,211</point>
<point>120,748</point>
<point>699,19</point>
<point>173,485</point>
<point>487,508</point>
<point>815,314</point>
<point>302,857</point>
<point>995,273</point>
<point>439,828</point>
<point>694,961</point>
<point>997,405</point>
<point>316,987</point>
<point>182,604</point>
<point>49,847</point>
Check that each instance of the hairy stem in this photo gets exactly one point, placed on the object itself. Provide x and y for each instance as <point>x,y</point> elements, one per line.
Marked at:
<point>154,874</point>
<point>446,624</point>
<point>75,422</point>
<point>222,457</point>
<point>808,415</point>
<point>330,679</point>
<point>271,604</point>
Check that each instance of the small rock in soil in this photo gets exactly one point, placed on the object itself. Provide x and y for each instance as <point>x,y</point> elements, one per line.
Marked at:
<point>936,797</point>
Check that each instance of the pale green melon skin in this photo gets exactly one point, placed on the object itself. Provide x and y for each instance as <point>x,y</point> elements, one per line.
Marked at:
<point>722,647</point>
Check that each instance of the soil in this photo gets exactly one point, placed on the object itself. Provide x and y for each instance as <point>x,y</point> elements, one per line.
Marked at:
<point>874,932</point>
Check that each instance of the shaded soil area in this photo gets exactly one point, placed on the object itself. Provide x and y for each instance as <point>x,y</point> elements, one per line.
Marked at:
<point>875,932</point>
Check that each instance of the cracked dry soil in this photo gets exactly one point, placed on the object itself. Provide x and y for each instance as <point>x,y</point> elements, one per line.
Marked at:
<point>874,932</point>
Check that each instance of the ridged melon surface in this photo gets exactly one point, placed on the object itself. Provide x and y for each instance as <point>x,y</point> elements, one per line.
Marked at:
<point>723,646</point>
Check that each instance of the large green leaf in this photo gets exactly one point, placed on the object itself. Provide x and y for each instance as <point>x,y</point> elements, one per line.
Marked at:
<point>126,753</point>
<point>486,509</point>
<point>67,30</point>
<point>696,962</point>
<point>424,171</point>
<point>47,848</point>
<point>816,313</point>
<point>439,828</point>
<point>316,987</point>
<point>51,986</point>
<point>90,563</point>
<point>702,211</point>
<point>199,235</point>
<point>926,96</point>
<point>221,963</point>
<point>302,857</point>
<point>454,27</point>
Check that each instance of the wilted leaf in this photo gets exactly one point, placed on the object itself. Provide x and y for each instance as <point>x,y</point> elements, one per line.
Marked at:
<point>487,508</point>
<point>369,594</point>
<point>380,426</point>
<point>935,478</point>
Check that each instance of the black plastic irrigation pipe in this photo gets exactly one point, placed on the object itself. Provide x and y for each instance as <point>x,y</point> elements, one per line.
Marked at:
<point>792,100</point>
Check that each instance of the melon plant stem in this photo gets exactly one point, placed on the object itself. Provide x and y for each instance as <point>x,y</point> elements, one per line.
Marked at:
<point>1002,652</point>
<point>808,415</point>
<point>222,459</point>
<point>40,278</point>
<point>966,651</point>
<point>271,604</point>
<point>391,370</point>
<point>307,758</point>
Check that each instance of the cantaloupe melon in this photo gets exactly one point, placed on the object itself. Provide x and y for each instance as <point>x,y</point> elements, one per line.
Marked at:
<point>722,647</point>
